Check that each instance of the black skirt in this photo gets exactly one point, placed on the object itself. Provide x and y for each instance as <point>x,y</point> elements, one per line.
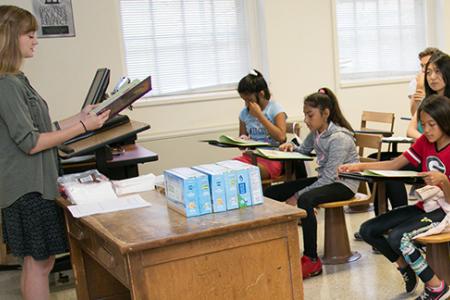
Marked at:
<point>33,226</point>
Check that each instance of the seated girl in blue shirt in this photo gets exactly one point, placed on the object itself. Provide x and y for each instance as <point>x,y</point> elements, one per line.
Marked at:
<point>262,120</point>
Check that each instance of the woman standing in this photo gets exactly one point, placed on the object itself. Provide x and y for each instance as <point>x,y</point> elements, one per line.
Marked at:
<point>32,223</point>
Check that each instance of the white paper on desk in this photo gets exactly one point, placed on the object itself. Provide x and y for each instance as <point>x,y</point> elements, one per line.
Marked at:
<point>397,139</point>
<point>121,203</point>
<point>85,193</point>
<point>134,185</point>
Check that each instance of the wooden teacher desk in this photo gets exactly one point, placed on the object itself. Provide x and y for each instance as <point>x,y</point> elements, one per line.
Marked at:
<point>156,253</point>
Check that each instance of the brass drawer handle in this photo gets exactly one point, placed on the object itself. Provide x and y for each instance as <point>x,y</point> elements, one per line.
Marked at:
<point>78,233</point>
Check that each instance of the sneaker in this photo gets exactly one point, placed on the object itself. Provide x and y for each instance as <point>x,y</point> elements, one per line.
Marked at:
<point>375,250</point>
<point>357,236</point>
<point>428,293</point>
<point>410,279</point>
<point>311,267</point>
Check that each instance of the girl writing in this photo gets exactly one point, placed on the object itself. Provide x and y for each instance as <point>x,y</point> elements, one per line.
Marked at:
<point>332,139</point>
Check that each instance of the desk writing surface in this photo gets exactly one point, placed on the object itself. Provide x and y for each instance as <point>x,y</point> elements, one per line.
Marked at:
<point>385,133</point>
<point>362,177</point>
<point>113,135</point>
<point>157,225</point>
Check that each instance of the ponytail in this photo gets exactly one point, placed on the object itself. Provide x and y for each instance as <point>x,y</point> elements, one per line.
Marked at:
<point>254,83</point>
<point>325,98</point>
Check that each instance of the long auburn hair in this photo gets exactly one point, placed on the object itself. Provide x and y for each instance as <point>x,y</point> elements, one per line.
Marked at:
<point>14,21</point>
<point>323,99</point>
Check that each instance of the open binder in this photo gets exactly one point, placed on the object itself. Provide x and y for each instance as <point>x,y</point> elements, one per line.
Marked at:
<point>124,97</point>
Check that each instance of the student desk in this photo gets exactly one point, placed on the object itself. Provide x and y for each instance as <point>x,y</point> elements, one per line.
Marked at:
<point>380,193</point>
<point>384,133</point>
<point>288,163</point>
<point>156,253</point>
<point>395,141</point>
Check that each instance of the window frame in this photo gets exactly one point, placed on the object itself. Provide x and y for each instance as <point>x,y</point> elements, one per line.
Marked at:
<point>430,38</point>
<point>257,53</point>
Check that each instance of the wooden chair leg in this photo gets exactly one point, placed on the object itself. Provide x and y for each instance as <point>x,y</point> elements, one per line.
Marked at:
<point>438,256</point>
<point>337,245</point>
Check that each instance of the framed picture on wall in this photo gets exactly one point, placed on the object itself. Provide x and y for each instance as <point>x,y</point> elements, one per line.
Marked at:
<point>55,18</point>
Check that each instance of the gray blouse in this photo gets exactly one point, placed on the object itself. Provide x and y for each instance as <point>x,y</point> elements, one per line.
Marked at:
<point>23,116</point>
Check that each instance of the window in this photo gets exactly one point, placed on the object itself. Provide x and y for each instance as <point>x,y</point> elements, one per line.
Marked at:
<point>188,46</point>
<point>379,38</point>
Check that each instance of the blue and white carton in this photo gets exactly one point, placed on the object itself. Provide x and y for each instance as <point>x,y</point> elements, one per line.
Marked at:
<point>187,191</point>
<point>255,181</point>
<point>216,177</point>
<point>231,189</point>
<point>242,182</point>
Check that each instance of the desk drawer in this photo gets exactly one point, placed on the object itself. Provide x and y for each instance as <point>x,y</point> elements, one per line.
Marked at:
<point>110,258</point>
<point>80,233</point>
<point>103,252</point>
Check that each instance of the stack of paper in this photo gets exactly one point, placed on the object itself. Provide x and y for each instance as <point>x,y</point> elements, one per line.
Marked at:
<point>82,193</point>
<point>134,185</point>
<point>122,203</point>
<point>93,193</point>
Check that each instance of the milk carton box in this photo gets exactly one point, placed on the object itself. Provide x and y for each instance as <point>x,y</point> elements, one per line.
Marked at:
<point>231,193</point>
<point>216,180</point>
<point>242,182</point>
<point>187,191</point>
<point>204,193</point>
<point>255,182</point>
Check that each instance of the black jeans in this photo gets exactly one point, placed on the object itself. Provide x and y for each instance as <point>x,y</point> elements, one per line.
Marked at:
<point>328,193</point>
<point>386,231</point>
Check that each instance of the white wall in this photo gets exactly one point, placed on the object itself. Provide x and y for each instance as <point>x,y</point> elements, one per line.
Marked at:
<point>301,59</point>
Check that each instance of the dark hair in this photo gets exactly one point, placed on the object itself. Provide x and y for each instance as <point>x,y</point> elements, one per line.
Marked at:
<point>442,62</point>
<point>438,107</point>
<point>253,84</point>
<point>428,51</point>
<point>324,99</point>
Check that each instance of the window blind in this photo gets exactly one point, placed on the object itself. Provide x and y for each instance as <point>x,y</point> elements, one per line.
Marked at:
<point>379,38</point>
<point>187,46</point>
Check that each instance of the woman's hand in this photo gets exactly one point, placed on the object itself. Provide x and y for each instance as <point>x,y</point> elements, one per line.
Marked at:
<point>244,137</point>
<point>93,121</point>
<point>349,168</point>
<point>434,178</point>
<point>86,110</point>
<point>286,147</point>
